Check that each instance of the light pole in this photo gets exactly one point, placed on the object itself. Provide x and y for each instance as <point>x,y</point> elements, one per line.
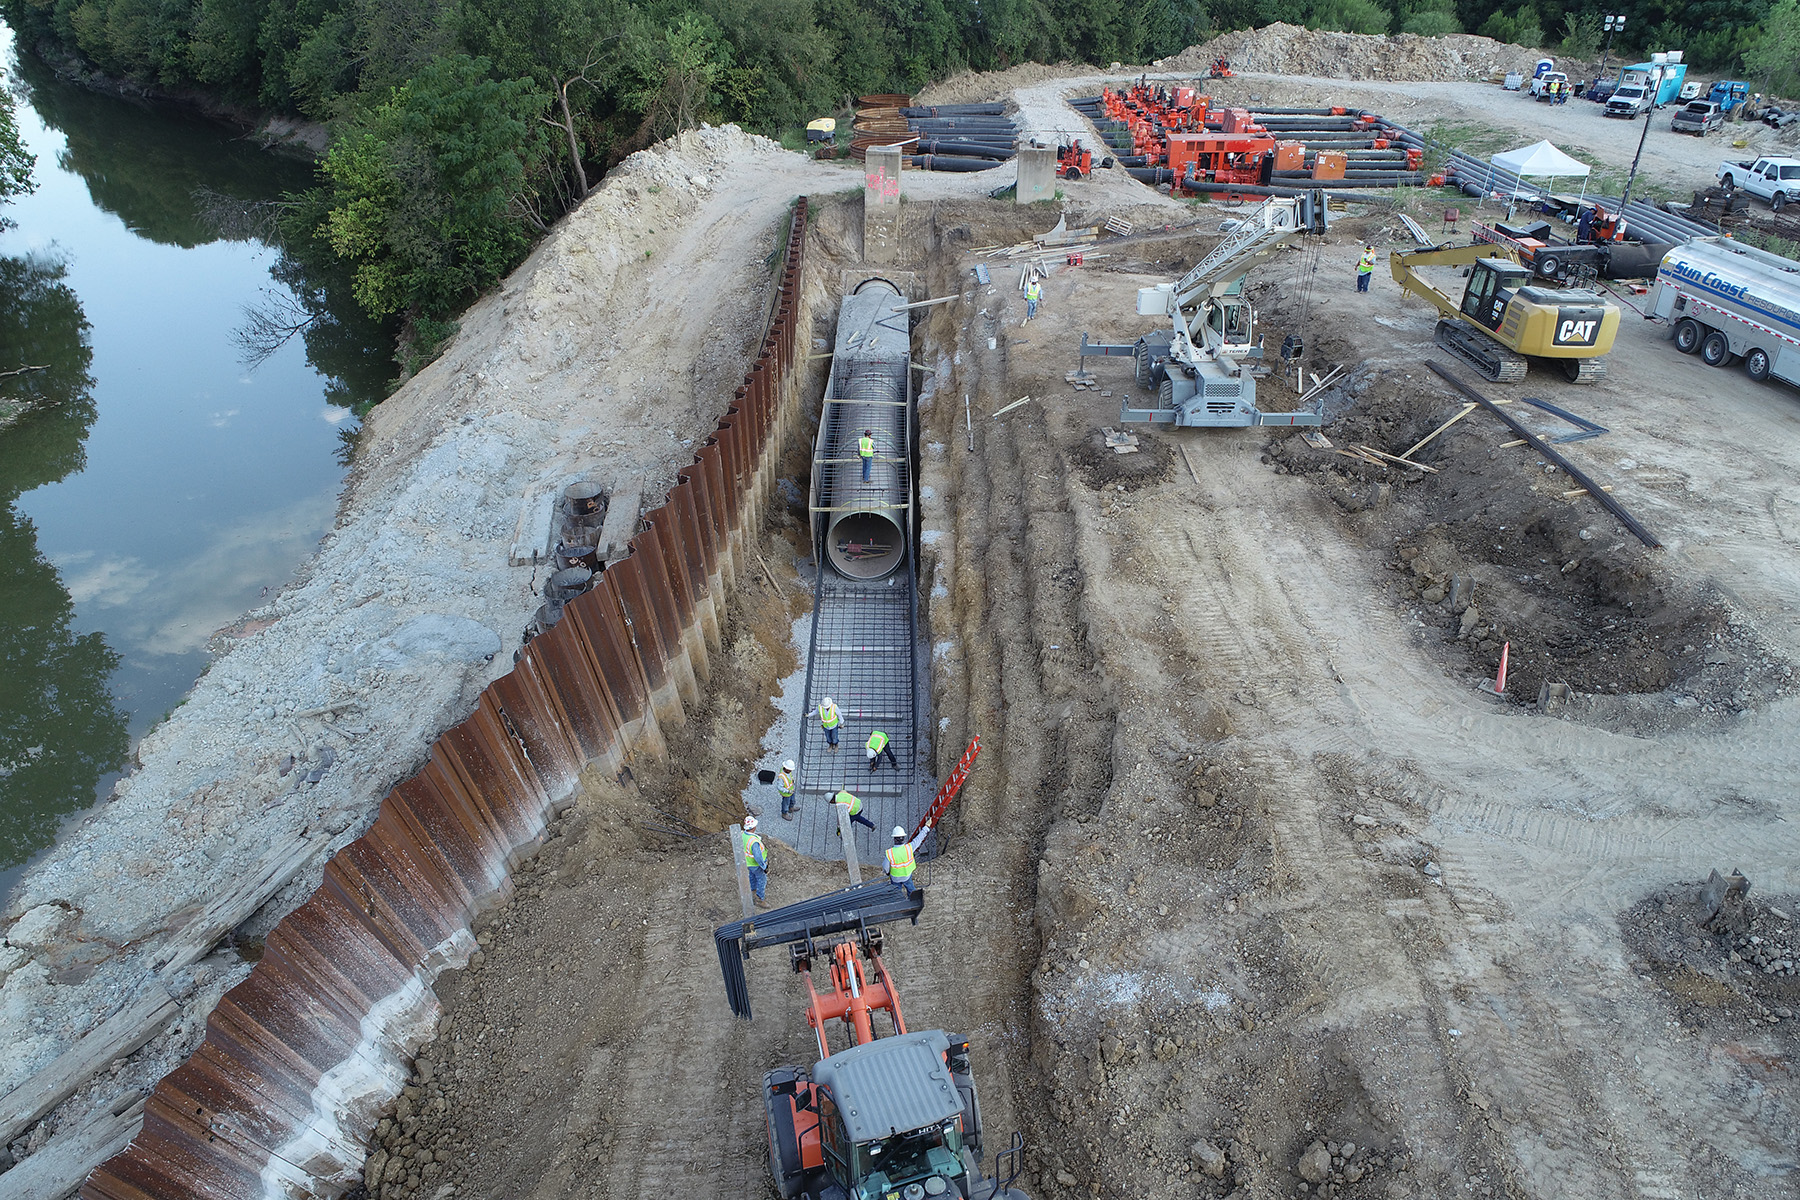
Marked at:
<point>1612,25</point>
<point>1632,178</point>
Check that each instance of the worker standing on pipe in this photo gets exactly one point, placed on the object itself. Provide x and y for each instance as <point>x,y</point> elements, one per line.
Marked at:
<point>1034,291</point>
<point>854,804</point>
<point>865,446</point>
<point>1365,267</point>
<point>900,861</point>
<point>829,720</point>
<point>784,784</point>
<point>757,859</point>
<point>878,746</point>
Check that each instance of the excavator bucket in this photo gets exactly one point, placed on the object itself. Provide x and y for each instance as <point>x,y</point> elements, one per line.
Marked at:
<point>862,907</point>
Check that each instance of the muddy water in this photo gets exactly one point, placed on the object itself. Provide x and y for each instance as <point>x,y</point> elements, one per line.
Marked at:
<point>166,485</point>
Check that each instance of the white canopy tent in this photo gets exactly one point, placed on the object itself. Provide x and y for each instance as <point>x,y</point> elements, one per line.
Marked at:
<point>1541,160</point>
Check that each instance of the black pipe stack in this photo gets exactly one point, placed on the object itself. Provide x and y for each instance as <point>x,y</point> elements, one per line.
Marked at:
<point>942,137</point>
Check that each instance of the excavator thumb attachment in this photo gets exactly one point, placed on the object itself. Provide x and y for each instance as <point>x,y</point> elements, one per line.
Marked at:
<point>860,907</point>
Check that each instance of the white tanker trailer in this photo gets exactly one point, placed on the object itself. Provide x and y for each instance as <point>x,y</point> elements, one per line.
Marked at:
<point>1730,301</point>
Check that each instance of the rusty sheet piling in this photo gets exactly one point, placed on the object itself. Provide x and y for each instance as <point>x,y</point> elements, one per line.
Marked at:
<point>300,1059</point>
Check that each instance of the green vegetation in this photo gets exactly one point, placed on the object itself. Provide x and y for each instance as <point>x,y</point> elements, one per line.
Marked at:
<point>463,128</point>
<point>15,161</point>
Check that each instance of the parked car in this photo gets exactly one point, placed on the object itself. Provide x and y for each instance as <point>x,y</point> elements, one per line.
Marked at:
<point>1698,117</point>
<point>1631,101</point>
<point>1776,180</point>
<point>1601,90</point>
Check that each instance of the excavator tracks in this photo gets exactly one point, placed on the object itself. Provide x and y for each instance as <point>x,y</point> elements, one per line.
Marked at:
<point>1583,370</point>
<point>1487,356</point>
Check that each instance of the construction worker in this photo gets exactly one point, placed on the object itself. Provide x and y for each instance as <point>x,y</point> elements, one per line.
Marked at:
<point>865,446</point>
<point>900,862</point>
<point>854,804</point>
<point>756,859</point>
<point>1365,267</point>
<point>878,746</point>
<point>1034,291</point>
<point>829,720</point>
<point>784,786</point>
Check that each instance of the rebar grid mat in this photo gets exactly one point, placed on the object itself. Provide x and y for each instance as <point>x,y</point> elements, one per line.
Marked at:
<point>840,476</point>
<point>863,656</point>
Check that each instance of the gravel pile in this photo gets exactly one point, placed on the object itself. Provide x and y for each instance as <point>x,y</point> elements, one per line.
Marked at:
<point>1282,49</point>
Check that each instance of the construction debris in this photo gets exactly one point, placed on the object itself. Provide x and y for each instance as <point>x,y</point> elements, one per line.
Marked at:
<point>1120,442</point>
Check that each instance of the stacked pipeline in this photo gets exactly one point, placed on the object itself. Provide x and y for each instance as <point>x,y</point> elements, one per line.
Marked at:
<point>944,137</point>
<point>1308,148</point>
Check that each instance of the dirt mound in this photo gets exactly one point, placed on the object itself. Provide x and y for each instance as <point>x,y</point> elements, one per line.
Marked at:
<point>970,87</point>
<point>1282,49</point>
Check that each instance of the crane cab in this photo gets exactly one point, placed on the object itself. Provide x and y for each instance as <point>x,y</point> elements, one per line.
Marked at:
<point>1492,283</point>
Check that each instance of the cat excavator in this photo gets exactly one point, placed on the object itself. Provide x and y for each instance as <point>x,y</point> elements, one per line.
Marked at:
<point>1504,321</point>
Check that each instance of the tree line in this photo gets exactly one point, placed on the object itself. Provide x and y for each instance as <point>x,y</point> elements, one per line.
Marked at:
<point>461,129</point>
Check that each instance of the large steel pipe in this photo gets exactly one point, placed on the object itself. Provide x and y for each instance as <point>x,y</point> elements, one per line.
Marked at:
<point>864,525</point>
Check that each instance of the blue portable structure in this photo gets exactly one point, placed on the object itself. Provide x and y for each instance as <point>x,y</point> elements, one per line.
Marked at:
<point>1544,67</point>
<point>1665,77</point>
<point>1729,93</point>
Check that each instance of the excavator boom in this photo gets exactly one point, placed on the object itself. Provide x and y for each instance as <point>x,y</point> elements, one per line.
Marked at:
<point>1404,264</point>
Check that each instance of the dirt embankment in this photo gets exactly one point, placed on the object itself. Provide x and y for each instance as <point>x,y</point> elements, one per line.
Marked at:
<point>1281,49</point>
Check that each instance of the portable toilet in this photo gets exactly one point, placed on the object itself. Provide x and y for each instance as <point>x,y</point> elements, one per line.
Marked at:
<point>1544,67</point>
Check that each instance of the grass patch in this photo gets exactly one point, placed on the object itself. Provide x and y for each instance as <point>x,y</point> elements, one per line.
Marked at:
<point>1484,141</point>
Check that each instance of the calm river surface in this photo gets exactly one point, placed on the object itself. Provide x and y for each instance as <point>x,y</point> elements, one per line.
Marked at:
<point>171,486</point>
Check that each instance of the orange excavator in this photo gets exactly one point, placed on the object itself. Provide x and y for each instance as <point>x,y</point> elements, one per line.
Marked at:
<point>889,1113</point>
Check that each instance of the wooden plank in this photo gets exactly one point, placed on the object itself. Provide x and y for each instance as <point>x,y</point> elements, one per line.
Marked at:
<point>621,521</point>
<point>743,870</point>
<point>58,1169</point>
<point>1190,464</point>
<point>847,834</point>
<point>237,900</point>
<point>1013,405</point>
<point>925,303</point>
<point>113,1038</point>
<point>1466,410</point>
<point>1396,458</point>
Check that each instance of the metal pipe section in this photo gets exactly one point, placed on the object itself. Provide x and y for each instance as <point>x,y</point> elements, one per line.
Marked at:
<point>863,527</point>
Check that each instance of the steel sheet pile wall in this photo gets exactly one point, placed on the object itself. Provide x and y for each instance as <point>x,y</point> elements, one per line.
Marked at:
<point>300,1058</point>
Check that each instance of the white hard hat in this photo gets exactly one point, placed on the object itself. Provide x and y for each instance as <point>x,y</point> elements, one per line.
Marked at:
<point>789,765</point>
<point>871,754</point>
<point>825,703</point>
<point>749,823</point>
<point>899,834</point>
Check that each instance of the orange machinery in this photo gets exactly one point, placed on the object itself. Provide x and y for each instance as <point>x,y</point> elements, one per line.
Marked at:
<point>1221,158</point>
<point>886,1108</point>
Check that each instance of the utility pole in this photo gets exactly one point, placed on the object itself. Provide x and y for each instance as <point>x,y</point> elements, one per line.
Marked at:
<point>1612,25</point>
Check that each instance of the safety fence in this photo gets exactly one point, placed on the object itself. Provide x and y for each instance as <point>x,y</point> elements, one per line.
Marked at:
<point>299,1060</point>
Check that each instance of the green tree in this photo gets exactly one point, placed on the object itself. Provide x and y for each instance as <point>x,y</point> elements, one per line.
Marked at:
<point>1581,35</point>
<point>1349,16</point>
<point>1432,24</point>
<point>16,161</point>
<point>425,193</point>
<point>1774,59</point>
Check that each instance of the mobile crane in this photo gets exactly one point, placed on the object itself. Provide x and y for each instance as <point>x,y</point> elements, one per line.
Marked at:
<point>1204,368</point>
<point>1502,321</point>
<point>881,1117</point>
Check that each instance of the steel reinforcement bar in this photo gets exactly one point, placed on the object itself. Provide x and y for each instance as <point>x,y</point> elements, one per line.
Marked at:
<point>299,1060</point>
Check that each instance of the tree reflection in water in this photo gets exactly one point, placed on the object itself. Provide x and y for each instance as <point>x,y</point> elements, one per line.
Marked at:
<point>60,729</point>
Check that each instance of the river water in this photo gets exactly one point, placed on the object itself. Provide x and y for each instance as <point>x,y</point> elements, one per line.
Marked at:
<point>168,486</point>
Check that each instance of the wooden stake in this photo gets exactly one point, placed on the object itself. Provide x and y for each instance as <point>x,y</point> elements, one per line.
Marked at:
<point>1397,458</point>
<point>925,303</point>
<point>1013,405</point>
<point>1580,492</point>
<point>1510,445</point>
<point>1190,465</point>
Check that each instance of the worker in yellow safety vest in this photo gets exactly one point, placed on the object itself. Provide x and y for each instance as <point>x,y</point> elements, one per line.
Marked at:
<point>829,720</point>
<point>865,446</point>
<point>1365,268</point>
<point>878,746</point>
<point>854,804</point>
<point>900,860</point>
<point>1034,291</point>
<point>756,859</point>
<point>784,784</point>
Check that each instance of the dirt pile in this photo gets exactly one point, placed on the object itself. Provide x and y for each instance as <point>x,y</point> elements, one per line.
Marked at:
<point>1282,49</point>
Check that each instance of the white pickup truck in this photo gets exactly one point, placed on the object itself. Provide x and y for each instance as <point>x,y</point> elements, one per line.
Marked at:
<point>1776,180</point>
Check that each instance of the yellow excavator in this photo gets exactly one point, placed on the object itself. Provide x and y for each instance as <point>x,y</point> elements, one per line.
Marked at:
<point>1504,321</point>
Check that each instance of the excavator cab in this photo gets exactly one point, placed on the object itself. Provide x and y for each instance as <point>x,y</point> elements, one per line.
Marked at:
<point>1492,282</point>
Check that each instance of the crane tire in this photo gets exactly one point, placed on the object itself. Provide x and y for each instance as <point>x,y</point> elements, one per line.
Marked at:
<point>1715,351</point>
<point>1756,364</point>
<point>1689,333</point>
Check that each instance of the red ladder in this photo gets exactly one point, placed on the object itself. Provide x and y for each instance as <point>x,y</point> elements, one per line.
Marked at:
<point>952,785</point>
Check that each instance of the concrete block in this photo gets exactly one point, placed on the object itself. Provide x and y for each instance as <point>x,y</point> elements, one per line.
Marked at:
<point>1037,174</point>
